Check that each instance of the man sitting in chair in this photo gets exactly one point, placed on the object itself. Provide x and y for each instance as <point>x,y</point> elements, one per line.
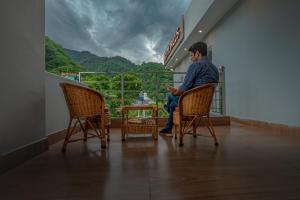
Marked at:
<point>200,72</point>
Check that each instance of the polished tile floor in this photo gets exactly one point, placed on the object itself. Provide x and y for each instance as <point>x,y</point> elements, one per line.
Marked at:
<point>250,163</point>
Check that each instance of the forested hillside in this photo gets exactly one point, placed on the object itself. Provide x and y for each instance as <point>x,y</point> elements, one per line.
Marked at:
<point>57,61</point>
<point>101,64</point>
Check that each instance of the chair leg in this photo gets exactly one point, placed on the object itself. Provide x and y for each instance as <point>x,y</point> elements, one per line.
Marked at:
<point>103,138</point>
<point>194,129</point>
<point>180,135</point>
<point>175,132</point>
<point>123,133</point>
<point>84,129</point>
<point>85,132</point>
<point>101,135</point>
<point>154,134</point>
<point>211,130</point>
<point>100,132</point>
<point>68,135</point>
<point>108,133</point>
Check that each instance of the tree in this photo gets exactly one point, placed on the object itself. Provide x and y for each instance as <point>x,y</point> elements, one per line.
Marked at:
<point>97,82</point>
<point>132,87</point>
<point>57,61</point>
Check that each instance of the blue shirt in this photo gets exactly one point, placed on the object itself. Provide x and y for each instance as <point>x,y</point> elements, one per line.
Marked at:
<point>199,73</point>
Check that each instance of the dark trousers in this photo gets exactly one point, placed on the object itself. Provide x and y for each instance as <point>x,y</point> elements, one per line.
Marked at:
<point>171,106</point>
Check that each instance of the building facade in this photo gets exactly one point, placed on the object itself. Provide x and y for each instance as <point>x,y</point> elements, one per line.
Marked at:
<point>258,43</point>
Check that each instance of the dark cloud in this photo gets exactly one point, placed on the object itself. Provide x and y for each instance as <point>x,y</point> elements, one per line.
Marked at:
<point>136,29</point>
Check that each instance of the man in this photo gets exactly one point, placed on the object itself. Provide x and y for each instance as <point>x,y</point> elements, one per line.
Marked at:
<point>200,72</point>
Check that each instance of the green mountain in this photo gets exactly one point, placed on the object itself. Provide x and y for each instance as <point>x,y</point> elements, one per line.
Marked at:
<point>57,61</point>
<point>101,64</point>
<point>60,60</point>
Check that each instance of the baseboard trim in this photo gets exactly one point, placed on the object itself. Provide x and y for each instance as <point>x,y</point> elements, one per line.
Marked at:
<point>55,137</point>
<point>280,128</point>
<point>19,156</point>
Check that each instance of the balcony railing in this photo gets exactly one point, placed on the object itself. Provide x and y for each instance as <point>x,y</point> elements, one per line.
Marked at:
<point>124,88</point>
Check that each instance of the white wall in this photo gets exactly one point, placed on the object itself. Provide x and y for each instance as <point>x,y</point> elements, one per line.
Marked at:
<point>259,44</point>
<point>22,73</point>
<point>57,114</point>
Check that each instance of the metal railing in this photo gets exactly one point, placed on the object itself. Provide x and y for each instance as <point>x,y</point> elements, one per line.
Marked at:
<point>218,104</point>
<point>123,88</point>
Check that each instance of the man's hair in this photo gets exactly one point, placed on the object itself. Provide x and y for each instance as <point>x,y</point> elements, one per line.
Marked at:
<point>199,46</point>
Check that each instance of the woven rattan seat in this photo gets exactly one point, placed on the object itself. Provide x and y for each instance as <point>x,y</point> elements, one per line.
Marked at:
<point>87,108</point>
<point>193,105</point>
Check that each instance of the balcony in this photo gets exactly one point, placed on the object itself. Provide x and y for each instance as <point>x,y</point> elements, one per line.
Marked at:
<point>259,146</point>
<point>247,164</point>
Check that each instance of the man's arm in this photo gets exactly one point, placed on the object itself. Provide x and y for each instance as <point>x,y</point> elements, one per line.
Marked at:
<point>189,79</point>
<point>187,84</point>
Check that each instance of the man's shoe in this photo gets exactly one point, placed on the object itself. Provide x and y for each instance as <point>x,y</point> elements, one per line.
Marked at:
<point>166,132</point>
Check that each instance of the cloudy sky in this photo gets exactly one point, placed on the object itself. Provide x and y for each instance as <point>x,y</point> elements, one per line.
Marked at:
<point>135,29</point>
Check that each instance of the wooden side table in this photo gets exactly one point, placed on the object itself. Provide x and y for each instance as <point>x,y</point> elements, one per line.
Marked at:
<point>139,125</point>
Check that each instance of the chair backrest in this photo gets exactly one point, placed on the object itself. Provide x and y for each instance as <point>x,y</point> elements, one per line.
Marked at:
<point>197,101</point>
<point>82,101</point>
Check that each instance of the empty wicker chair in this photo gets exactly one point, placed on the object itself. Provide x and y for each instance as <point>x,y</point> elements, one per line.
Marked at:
<point>85,105</point>
<point>193,105</point>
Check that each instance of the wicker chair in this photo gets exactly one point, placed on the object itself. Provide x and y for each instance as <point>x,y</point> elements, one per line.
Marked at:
<point>193,105</point>
<point>85,105</point>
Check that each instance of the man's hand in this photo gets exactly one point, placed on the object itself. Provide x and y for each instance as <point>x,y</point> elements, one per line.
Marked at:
<point>172,90</point>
